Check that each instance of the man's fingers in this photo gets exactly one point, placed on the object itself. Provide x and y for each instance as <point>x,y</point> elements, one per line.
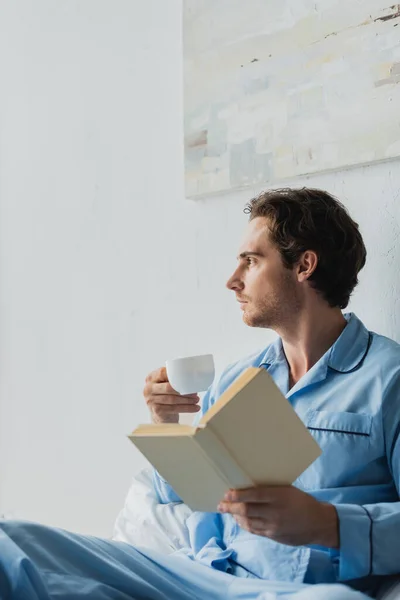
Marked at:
<point>166,389</point>
<point>252,525</point>
<point>263,494</point>
<point>172,400</point>
<point>159,381</point>
<point>257,524</point>
<point>161,409</point>
<point>164,402</point>
<point>157,376</point>
<point>242,509</point>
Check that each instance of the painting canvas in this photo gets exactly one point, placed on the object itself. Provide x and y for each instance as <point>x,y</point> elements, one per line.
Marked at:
<point>274,89</point>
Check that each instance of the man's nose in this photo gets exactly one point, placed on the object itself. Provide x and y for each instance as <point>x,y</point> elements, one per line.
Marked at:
<point>234,282</point>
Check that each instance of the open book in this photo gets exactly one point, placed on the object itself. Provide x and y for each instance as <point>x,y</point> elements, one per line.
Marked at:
<point>250,436</point>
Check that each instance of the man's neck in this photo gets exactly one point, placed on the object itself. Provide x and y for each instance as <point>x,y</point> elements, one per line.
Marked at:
<point>307,339</point>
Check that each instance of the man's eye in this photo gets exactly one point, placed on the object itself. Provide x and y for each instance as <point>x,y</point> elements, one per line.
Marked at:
<point>250,260</point>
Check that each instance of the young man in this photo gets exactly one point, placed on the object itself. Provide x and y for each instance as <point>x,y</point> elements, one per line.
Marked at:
<point>340,522</point>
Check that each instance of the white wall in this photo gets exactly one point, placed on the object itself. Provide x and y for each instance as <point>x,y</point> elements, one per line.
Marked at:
<point>105,268</point>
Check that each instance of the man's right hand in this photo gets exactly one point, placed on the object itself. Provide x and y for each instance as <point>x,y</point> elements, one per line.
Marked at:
<point>164,402</point>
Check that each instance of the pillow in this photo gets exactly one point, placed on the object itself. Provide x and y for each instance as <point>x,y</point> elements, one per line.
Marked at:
<point>145,522</point>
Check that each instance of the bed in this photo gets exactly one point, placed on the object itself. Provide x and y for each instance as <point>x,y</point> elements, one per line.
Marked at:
<point>162,527</point>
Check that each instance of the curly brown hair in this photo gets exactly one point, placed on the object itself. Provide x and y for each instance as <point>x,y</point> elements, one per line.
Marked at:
<point>311,219</point>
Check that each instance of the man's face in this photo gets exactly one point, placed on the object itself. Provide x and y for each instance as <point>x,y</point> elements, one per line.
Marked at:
<point>268,292</point>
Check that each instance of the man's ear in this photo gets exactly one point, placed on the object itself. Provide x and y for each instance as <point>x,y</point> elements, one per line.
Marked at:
<point>307,264</point>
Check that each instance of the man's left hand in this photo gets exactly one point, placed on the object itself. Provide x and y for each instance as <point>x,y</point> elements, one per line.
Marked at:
<point>284,514</point>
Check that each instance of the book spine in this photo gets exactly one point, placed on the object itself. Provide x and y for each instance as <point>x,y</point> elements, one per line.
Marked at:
<point>222,460</point>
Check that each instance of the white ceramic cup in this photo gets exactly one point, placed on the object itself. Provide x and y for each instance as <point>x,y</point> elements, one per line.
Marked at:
<point>191,374</point>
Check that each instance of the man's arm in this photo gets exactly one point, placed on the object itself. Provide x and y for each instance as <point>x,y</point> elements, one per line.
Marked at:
<point>369,534</point>
<point>369,540</point>
<point>366,537</point>
<point>363,538</point>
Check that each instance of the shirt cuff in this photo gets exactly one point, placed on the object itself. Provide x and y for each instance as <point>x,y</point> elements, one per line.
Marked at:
<point>355,530</point>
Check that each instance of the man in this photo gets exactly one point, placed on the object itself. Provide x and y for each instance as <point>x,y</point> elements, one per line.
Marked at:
<point>340,522</point>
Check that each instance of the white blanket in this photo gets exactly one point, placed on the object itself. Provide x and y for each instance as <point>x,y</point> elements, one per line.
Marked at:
<point>145,522</point>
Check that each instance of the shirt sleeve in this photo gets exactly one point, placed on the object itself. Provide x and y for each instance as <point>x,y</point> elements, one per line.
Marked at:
<point>369,533</point>
<point>163,490</point>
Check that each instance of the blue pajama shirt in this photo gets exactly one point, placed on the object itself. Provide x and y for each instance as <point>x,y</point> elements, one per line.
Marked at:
<point>350,401</point>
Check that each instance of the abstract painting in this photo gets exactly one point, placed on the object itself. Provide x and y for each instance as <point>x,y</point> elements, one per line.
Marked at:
<point>274,89</point>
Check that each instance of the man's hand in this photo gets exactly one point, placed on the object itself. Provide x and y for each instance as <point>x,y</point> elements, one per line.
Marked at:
<point>164,402</point>
<point>284,514</point>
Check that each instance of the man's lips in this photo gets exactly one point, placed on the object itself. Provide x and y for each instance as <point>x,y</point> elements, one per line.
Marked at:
<point>241,302</point>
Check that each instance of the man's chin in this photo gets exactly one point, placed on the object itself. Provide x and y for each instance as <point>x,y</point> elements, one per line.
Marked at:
<point>249,320</point>
<point>254,320</point>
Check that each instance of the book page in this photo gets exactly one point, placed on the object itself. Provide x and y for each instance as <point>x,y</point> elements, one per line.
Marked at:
<point>182,462</point>
<point>261,430</point>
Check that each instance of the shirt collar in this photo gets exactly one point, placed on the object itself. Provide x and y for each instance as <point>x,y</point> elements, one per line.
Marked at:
<point>346,354</point>
<point>351,347</point>
<point>273,354</point>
